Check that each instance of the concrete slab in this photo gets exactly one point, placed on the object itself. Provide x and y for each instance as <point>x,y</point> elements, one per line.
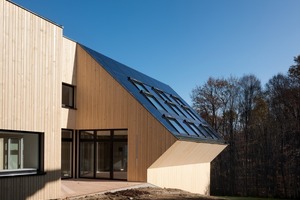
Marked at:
<point>81,187</point>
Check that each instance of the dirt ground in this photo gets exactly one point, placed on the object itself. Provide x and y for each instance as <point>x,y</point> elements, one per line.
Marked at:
<point>147,193</point>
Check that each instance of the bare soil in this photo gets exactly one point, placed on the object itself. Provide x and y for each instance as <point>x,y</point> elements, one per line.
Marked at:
<point>148,193</point>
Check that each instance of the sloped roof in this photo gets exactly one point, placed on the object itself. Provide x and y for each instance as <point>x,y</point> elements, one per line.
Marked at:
<point>160,100</point>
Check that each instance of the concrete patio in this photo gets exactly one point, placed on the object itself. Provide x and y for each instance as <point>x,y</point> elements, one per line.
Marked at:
<point>81,187</point>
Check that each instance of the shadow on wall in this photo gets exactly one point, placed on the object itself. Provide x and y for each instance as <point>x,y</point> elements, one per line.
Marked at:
<point>27,187</point>
<point>71,117</point>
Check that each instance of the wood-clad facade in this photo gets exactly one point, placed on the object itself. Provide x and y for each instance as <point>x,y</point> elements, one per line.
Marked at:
<point>30,94</point>
<point>185,165</point>
<point>102,103</point>
<point>37,65</point>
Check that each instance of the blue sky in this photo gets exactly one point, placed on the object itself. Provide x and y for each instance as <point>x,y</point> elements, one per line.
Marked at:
<point>183,42</point>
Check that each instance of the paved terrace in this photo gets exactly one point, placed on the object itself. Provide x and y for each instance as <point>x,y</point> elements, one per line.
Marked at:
<point>81,187</point>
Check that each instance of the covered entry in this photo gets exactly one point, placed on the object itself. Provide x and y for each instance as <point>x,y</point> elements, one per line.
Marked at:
<point>103,154</point>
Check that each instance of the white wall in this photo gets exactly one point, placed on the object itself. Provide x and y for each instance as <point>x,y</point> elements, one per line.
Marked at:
<point>185,165</point>
<point>193,178</point>
<point>68,116</point>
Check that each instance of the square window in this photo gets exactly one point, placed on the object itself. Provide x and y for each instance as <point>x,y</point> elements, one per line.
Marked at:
<point>208,130</point>
<point>176,125</point>
<point>20,153</point>
<point>177,100</point>
<point>67,96</point>
<point>162,94</point>
<point>153,101</point>
<point>138,85</point>
<point>189,112</point>
<point>176,109</point>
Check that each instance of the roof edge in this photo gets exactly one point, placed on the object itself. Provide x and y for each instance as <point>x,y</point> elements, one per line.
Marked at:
<point>40,16</point>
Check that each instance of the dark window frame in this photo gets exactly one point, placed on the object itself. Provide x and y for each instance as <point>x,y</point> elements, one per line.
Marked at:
<point>175,108</point>
<point>148,96</point>
<point>209,131</point>
<point>138,84</point>
<point>170,119</point>
<point>72,87</point>
<point>161,94</point>
<point>189,112</point>
<point>177,100</point>
<point>194,127</point>
<point>111,140</point>
<point>40,156</point>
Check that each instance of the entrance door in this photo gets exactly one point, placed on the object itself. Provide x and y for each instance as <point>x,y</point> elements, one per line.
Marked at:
<point>103,154</point>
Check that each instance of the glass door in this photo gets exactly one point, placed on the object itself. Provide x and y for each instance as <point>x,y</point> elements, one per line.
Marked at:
<point>103,160</point>
<point>120,160</point>
<point>120,154</point>
<point>103,154</point>
<point>87,154</point>
<point>87,159</point>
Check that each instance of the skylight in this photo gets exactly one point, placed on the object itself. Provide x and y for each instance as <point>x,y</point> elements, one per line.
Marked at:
<point>176,125</point>
<point>154,101</point>
<point>159,99</point>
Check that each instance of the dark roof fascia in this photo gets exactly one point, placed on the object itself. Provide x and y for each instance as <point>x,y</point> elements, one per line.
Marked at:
<point>198,140</point>
<point>44,18</point>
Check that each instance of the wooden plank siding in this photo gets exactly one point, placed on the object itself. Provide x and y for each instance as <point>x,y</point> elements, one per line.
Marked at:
<point>102,103</point>
<point>30,99</point>
<point>68,76</point>
<point>185,165</point>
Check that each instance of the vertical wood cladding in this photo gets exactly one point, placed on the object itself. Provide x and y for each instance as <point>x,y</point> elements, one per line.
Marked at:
<point>69,77</point>
<point>30,99</point>
<point>102,103</point>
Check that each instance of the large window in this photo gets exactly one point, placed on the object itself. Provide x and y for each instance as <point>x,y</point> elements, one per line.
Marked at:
<point>68,96</point>
<point>103,154</point>
<point>20,153</point>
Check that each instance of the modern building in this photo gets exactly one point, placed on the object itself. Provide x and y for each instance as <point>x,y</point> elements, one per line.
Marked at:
<point>67,111</point>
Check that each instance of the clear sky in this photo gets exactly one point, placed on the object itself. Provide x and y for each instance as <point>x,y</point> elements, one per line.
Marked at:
<point>183,42</point>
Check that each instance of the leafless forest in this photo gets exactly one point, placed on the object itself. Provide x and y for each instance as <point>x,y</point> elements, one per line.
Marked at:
<point>261,124</point>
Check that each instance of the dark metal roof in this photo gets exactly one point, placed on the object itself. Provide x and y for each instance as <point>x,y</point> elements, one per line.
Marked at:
<point>160,100</point>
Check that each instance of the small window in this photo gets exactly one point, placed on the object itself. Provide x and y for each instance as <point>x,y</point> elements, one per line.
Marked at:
<point>138,85</point>
<point>153,101</point>
<point>20,153</point>
<point>189,112</point>
<point>176,125</point>
<point>209,131</point>
<point>194,127</point>
<point>176,109</point>
<point>67,96</point>
<point>162,95</point>
<point>177,100</point>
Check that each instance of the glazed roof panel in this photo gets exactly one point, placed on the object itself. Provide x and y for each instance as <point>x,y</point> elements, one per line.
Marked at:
<point>160,100</point>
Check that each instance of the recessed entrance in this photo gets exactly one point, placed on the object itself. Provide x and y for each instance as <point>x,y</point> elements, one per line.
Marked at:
<point>103,154</point>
